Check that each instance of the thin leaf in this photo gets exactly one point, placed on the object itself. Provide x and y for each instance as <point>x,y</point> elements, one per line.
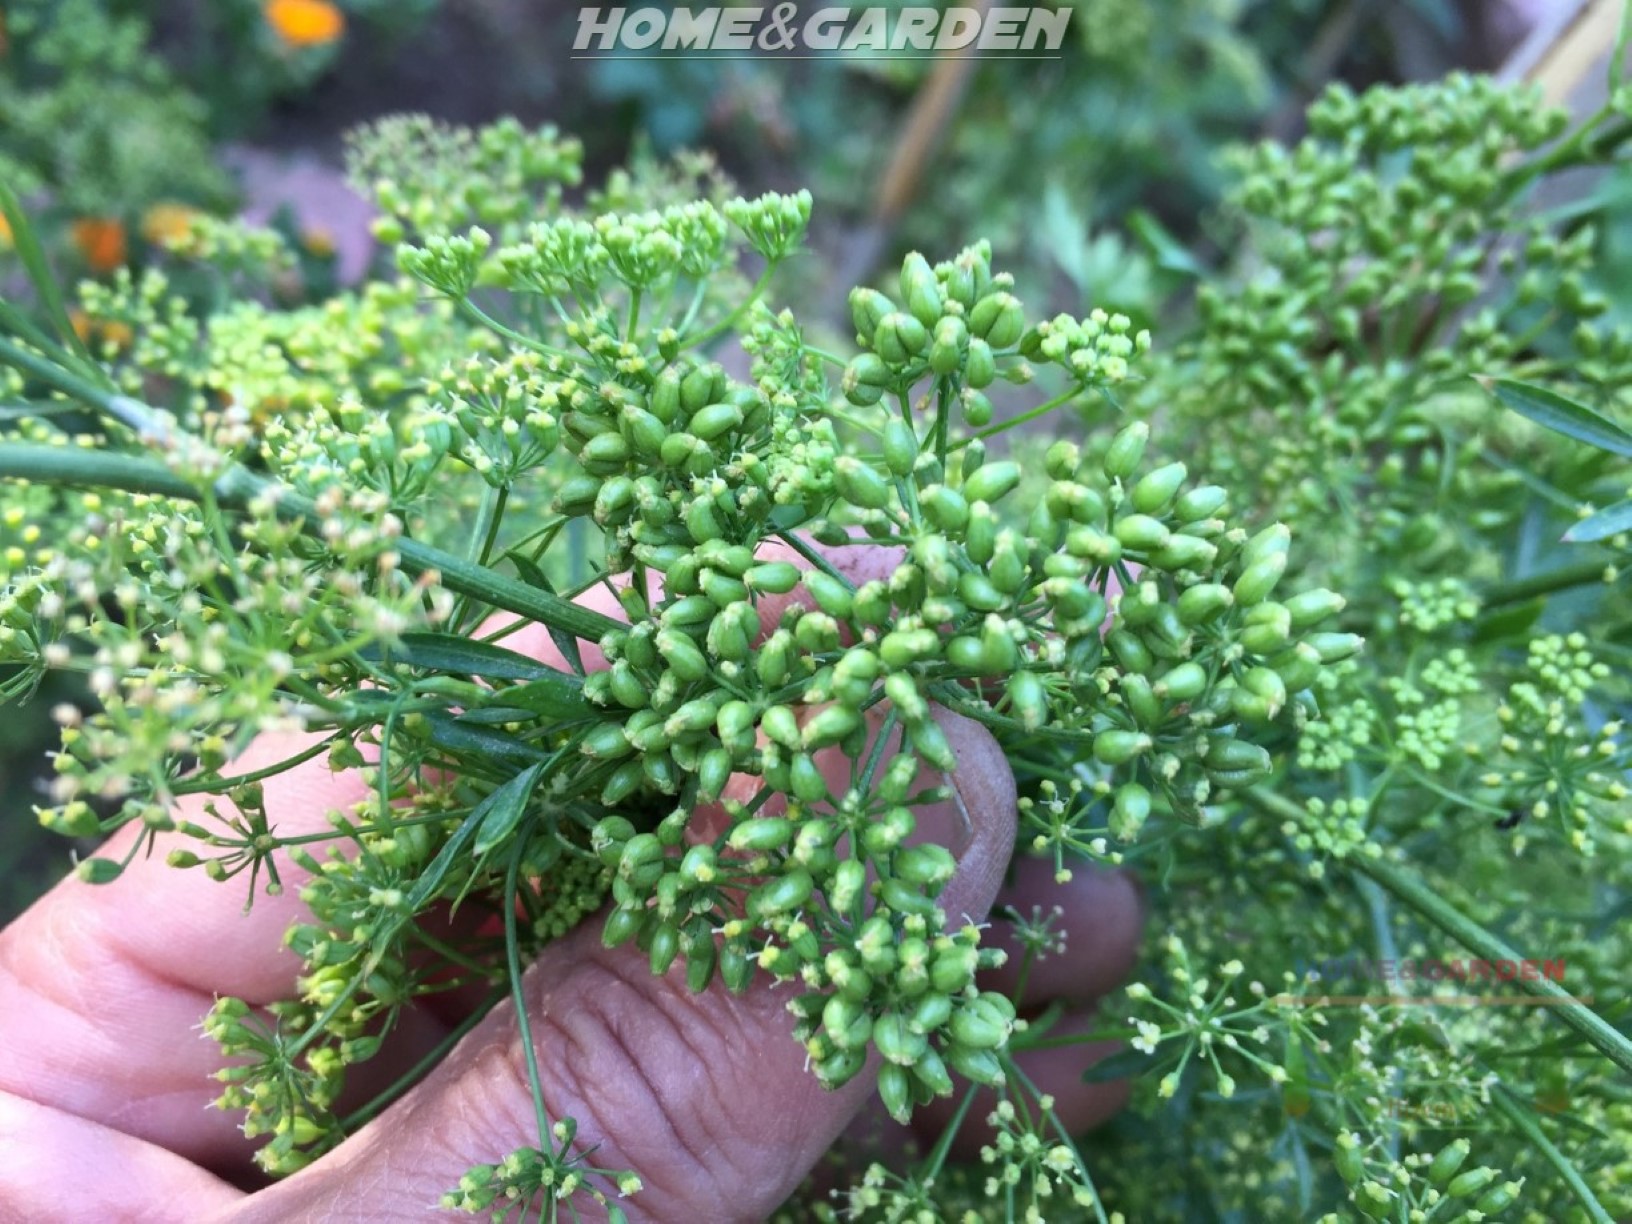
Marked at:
<point>460,656</point>
<point>1561,415</point>
<point>1610,521</point>
<point>450,734</point>
<point>503,809</point>
<point>557,695</point>
<point>27,245</point>
<point>532,575</point>
<point>1170,254</point>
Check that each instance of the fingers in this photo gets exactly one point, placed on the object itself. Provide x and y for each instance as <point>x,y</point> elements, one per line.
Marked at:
<point>48,1154</point>
<point>105,985</point>
<point>706,1096</point>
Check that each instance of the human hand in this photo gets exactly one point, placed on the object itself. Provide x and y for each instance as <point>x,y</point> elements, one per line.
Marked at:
<point>104,1090</point>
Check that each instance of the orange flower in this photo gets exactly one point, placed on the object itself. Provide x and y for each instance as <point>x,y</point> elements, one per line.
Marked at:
<point>305,23</point>
<point>5,232</point>
<point>101,240</point>
<point>168,223</point>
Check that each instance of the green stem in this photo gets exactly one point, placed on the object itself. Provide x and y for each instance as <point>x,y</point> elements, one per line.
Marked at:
<point>1513,1109</point>
<point>518,995</point>
<point>1583,573</point>
<point>1041,410</point>
<point>1430,905</point>
<point>134,474</point>
<point>730,320</point>
<point>353,1121</point>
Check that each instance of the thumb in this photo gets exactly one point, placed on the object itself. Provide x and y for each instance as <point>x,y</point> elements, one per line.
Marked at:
<point>706,1097</point>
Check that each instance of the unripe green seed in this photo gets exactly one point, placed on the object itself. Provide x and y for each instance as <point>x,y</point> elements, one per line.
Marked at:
<point>895,1090</point>
<point>1335,647</point>
<point>1130,650</point>
<point>782,895</point>
<point>1470,1183</point>
<point>1199,503</point>
<point>991,482</point>
<point>1028,701</point>
<point>1272,541</point>
<point>1126,450</point>
<point>605,453</point>
<point>946,348</point>
<point>577,495</point>
<point>762,833</point>
<point>849,881</point>
<point>713,772</point>
<point>625,780</point>
<point>682,655</point>
<point>1308,608</point>
<point>999,319</point>
<point>859,484</point>
<point>1132,808</point>
<point>1140,699</point>
<point>900,445</point>
<point>945,508</point>
<point>977,409</point>
<point>772,577</point>
<point>847,1023</point>
<point>865,380</point>
<point>606,742</point>
<point>1141,532</point>
<point>920,289</point>
<point>781,726</point>
<point>714,421</point>
<point>931,743</point>
<point>622,925</point>
<point>1200,604</point>
<point>900,338</point>
<point>665,947</point>
<point>832,596</point>
<point>896,1041</point>
<point>930,1071</point>
<point>829,727</point>
<point>979,1066</point>
<point>1267,628</point>
<point>979,365</point>
<point>1373,1200</point>
<point>1155,489</point>
<point>1448,1161</point>
<point>903,898</point>
<point>928,866</point>
<point>1259,579</point>
<point>1182,683</point>
<point>868,308</point>
<point>1351,1166</point>
<point>1499,1198</point>
<point>1119,747</point>
<point>1185,552</point>
<point>981,1023</point>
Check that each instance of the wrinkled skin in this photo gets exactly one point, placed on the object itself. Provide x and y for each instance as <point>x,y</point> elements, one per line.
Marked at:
<point>105,1080</point>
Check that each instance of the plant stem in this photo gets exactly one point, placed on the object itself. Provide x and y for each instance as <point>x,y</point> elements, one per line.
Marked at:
<point>134,474</point>
<point>1511,1108</point>
<point>1583,573</point>
<point>1430,905</point>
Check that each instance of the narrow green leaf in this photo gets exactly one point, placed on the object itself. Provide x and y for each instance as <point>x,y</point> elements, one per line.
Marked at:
<point>532,575</point>
<point>555,695</point>
<point>1612,520</point>
<point>448,733</point>
<point>28,249</point>
<point>1170,254</point>
<point>460,656</point>
<point>502,810</point>
<point>1553,411</point>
